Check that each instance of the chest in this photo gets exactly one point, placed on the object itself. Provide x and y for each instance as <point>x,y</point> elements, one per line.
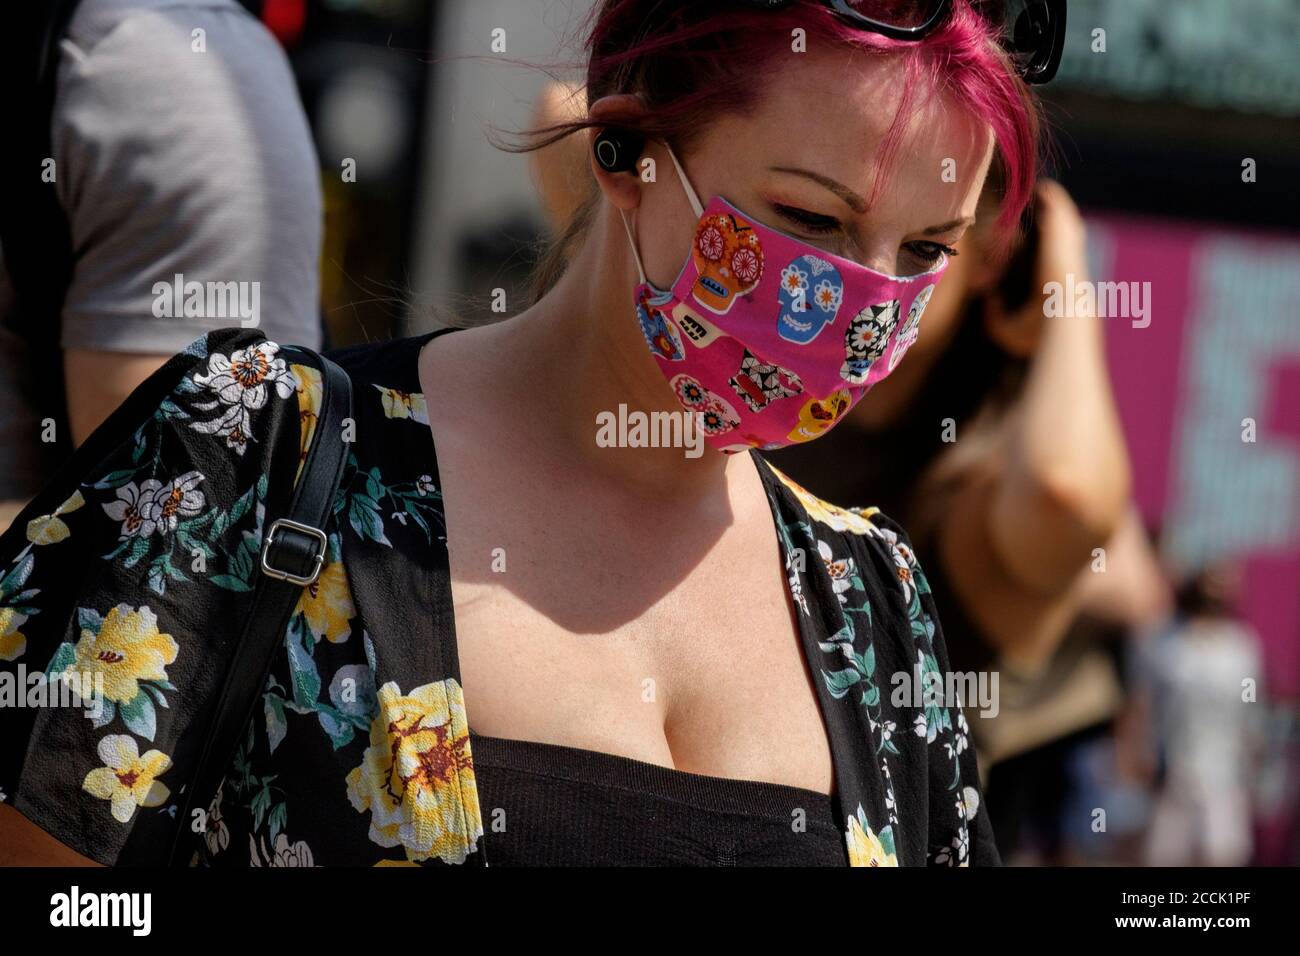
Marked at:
<point>624,626</point>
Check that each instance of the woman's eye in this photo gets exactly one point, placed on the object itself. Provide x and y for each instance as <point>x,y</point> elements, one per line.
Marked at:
<point>810,221</point>
<point>930,251</point>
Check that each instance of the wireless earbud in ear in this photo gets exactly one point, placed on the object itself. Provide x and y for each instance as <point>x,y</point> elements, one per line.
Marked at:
<point>617,150</point>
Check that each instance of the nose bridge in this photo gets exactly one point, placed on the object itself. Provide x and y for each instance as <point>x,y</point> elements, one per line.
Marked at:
<point>884,261</point>
<point>873,247</point>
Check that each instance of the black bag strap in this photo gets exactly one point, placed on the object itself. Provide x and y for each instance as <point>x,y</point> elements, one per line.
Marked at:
<point>293,552</point>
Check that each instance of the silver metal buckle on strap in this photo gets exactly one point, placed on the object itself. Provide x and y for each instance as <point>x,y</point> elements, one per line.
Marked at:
<point>287,524</point>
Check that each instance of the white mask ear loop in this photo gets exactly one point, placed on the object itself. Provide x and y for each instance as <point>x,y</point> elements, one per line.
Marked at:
<point>691,197</point>
<point>686,184</point>
<point>632,241</point>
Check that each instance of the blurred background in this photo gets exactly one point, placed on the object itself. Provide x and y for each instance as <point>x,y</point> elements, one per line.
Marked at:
<point>1184,95</point>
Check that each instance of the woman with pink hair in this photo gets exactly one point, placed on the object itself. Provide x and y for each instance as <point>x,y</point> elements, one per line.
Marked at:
<point>554,640</point>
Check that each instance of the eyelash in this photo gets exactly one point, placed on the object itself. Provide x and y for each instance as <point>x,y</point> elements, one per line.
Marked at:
<point>823,225</point>
<point>936,249</point>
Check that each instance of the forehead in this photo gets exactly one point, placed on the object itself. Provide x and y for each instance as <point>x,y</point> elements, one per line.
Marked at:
<point>831,111</point>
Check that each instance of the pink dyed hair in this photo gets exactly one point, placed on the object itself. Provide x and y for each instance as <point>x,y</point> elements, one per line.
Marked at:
<point>691,61</point>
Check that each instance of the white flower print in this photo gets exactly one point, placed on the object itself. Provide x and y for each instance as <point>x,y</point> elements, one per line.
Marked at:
<point>242,378</point>
<point>890,803</point>
<point>955,853</point>
<point>795,565</point>
<point>933,718</point>
<point>234,425</point>
<point>239,383</point>
<point>904,559</point>
<point>796,591</point>
<point>166,503</point>
<point>156,505</point>
<point>959,737</point>
<point>127,509</point>
<point>841,570</point>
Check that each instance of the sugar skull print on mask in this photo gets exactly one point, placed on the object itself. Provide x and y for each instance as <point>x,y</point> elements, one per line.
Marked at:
<point>659,331</point>
<point>728,258</point>
<point>865,340</point>
<point>758,383</point>
<point>911,329</point>
<point>717,417</point>
<point>695,327</point>
<point>819,415</point>
<point>770,354</point>
<point>811,293</point>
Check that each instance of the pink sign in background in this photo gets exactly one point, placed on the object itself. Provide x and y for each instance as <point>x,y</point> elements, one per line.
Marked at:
<point>1163,373</point>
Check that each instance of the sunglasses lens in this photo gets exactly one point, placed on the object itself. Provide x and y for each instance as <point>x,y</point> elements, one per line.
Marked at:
<point>1032,33</point>
<point>903,14</point>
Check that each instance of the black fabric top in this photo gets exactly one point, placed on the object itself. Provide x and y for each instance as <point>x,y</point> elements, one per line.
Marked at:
<point>135,567</point>
<point>548,805</point>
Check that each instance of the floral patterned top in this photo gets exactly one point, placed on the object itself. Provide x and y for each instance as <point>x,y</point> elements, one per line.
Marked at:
<point>122,585</point>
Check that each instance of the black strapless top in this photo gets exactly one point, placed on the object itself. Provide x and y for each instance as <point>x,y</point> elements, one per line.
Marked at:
<point>550,805</point>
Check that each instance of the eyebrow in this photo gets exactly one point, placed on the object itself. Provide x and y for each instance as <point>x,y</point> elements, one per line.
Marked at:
<point>948,226</point>
<point>851,199</point>
<point>857,203</point>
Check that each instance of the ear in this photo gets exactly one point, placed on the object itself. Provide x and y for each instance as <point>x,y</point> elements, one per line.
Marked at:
<point>623,190</point>
<point>1016,333</point>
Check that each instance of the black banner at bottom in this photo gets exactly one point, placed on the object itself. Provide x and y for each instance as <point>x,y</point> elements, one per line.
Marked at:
<point>999,905</point>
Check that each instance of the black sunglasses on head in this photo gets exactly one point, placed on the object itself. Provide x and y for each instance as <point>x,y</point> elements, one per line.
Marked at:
<point>1033,31</point>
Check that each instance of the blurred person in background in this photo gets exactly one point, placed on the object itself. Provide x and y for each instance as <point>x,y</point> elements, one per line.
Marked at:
<point>1200,675</point>
<point>999,442</point>
<point>179,148</point>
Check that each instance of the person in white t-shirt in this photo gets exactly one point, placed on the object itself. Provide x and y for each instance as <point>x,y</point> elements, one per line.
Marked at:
<point>173,158</point>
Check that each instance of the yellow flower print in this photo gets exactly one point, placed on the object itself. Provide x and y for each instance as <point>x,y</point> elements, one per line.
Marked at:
<point>51,529</point>
<point>12,642</point>
<point>417,776</point>
<point>852,520</point>
<point>128,648</point>
<point>867,849</point>
<point>327,602</point>
<point>399,404</point>
<point>819,414</point>
<point>309,402</point>
<point>128,780</point>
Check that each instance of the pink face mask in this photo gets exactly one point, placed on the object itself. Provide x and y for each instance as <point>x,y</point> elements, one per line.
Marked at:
<point>769,338</point>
